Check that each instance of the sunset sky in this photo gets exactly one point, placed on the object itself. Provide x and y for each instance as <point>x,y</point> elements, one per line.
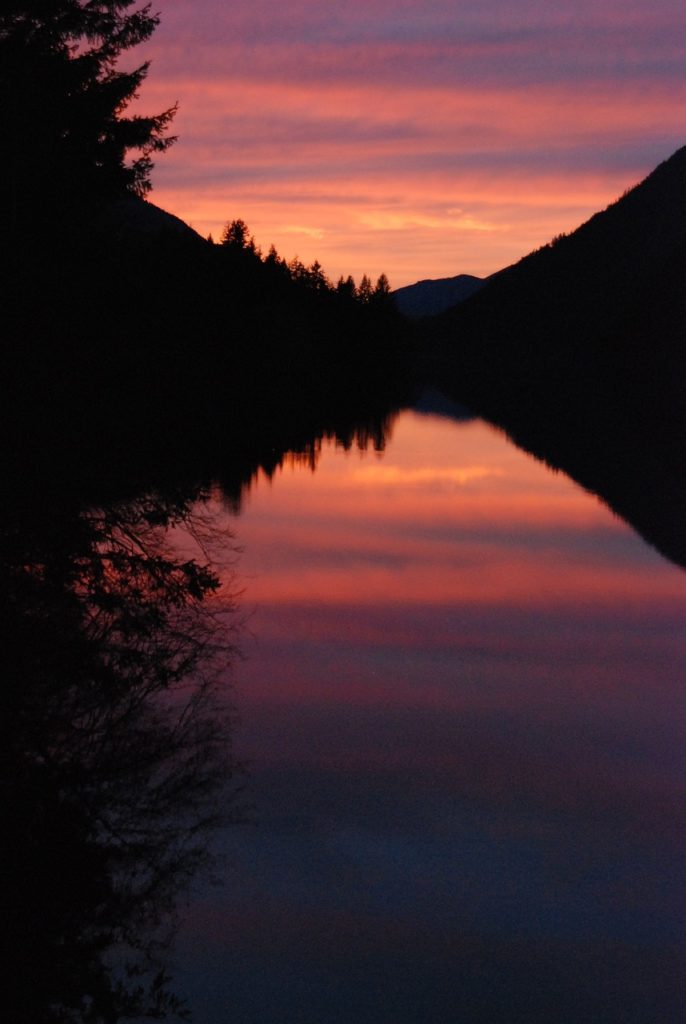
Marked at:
<point>423,138</point>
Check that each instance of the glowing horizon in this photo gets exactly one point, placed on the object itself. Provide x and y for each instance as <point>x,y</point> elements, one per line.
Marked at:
<point>419,140</point>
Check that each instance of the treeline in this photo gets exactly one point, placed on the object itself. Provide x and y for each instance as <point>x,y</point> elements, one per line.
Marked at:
<point>236,238</point>
<point>164,347</point>
<point>125,338</point>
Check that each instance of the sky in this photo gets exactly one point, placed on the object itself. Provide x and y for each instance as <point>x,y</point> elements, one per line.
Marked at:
<point>420,138</point>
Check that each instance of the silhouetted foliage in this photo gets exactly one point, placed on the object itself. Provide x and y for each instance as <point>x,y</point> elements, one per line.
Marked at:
<point>235,234</point>
<point>66,137</point>
<point>346,287</point>
<point>382,291</point>
<point>115,748</point>
<point>365,290</point>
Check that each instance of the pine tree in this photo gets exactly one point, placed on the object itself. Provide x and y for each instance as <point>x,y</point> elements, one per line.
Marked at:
<point>66,136</point>
<point>382,291</point>
<point>383,287</point>
<point>346,287</point>
<point>365,291</point>
<point>235,235</point>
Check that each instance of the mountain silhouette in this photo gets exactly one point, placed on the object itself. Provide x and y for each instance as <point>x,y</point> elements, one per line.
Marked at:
<point>577,351</point>
<point>429,297</point>
<point>603,287</point>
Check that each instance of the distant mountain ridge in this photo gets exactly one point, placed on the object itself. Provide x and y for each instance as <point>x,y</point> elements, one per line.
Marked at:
<point>432,296</point>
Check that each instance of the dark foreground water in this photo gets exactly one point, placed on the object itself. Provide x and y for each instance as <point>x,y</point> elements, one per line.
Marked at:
<point>462,713</point>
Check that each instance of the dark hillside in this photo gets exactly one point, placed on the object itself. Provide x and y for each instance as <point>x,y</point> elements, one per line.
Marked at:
<point>579,352</point>
<point>597,289</point>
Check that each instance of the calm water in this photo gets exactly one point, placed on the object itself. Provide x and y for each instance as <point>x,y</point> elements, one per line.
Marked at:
<point>463,717</point>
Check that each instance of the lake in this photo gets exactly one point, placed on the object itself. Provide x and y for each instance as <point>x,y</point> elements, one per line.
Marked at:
<point>462,718</point>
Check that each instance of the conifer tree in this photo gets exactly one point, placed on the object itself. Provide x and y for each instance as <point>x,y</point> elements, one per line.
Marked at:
<point>63,99</point>
<point>365,291</point>
<point>236,236</point>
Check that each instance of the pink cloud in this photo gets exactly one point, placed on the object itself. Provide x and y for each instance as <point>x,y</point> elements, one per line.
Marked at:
<point>368,126</point>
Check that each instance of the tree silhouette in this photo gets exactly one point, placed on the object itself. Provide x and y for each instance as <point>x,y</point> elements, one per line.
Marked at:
<point>317,279</point>
<point>66,136</point>
<point>382,291</point>
<point>115,748</point>
<point>236,235</point>
<point>346,287</point>
<point>365,291</point>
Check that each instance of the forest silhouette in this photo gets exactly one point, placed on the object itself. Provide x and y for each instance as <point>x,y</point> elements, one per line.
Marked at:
<point>124,335</point>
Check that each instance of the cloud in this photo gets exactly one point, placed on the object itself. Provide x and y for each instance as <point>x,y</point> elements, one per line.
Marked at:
<point>385,475</point>
<point>375,125</point>
<point>401,222</point>
<point>436,42</point>
<point>297,229</point>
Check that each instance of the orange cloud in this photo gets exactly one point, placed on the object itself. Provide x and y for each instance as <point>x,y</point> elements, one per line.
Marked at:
<point>421,144</point>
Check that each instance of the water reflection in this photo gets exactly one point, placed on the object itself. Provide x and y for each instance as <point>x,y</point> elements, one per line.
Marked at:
<point>463,710</point>
<point>116,750</point>
<point>243,463</point>
<point>116,733</point>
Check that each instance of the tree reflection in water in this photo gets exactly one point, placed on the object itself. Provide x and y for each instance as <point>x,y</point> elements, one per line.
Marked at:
<point>115,742</point>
